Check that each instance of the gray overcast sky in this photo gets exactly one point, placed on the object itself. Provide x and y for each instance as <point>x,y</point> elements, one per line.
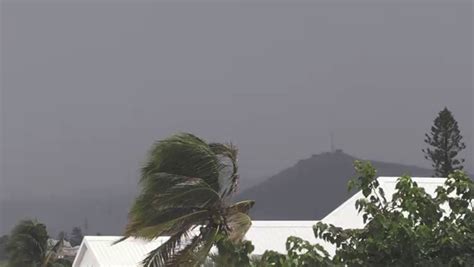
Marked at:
<point>87,87</point>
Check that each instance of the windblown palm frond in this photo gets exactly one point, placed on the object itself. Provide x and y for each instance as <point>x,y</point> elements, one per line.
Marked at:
<point>188,251</point>
<point>185,186</point>
<point>185,155</point>
<point>162,254</point>
<point>28,246</point>
<point>238,223</point>
<point>242,206</point>
<point>228,153</point>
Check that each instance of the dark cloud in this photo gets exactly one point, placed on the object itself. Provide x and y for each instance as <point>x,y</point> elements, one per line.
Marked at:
<point>87,87</point>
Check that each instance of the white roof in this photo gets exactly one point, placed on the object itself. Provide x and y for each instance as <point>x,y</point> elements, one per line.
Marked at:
<point>265,235</point>
<point>272,235</point>
<point>346,215</point>
<point>99,251</point>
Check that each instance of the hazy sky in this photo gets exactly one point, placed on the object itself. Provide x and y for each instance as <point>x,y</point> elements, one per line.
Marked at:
<point>87,87</point>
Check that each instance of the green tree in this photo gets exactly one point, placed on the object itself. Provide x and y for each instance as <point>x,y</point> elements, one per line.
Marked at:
<point>76,236</point>
<point>63,236</point>
<point>231,254</point>
<point>445,143</point>
<point>186,186</point>
<point>412,228</point>
<point>3,244</point>
<point>300,253</point>
<point>28,243</point>
<point>28,246</point>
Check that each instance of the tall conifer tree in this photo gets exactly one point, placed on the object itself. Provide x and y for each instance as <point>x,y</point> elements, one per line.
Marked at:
<point>445,143</point>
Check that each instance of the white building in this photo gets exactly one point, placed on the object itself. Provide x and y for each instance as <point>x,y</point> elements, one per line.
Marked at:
<point>265,235</point>
<point>346,216</point>
<point>99,251</point>
<point>66,251</point>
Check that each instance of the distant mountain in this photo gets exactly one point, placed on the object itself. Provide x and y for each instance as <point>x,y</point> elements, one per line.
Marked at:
<point>313,187</point>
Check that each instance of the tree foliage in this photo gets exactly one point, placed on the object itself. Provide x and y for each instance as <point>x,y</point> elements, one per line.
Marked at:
<point>410,228</point>
<point>76,236</point>
<point>27,246</point>
<point>186,185</point>
<point>3,244</point>
<point>231,254</point>
<point>445,143</point>
<point>300,253</point>
<point>28,243</point>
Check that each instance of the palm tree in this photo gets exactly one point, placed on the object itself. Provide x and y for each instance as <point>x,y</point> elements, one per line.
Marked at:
<point>28,246</point>
<point>186,185</point>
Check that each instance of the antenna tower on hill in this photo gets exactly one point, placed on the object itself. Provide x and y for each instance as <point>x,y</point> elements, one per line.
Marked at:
<point>333,148</point>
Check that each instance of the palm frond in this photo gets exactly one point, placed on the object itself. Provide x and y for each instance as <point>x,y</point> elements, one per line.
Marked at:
<point>183,154</point>
<point>186,183</point>
<point>161,255</point>
<point>196,251</point>
<point>137,221</point>
<point>228,151</point>
<point>161,182</point>
<point>194,192</point>
<point>169,227</point>
<point>242,206</point>
<point>28,243</point>
<point>142,208</point>
<point>239,223</point>
<point>178,196</point>
<point>171,206</point>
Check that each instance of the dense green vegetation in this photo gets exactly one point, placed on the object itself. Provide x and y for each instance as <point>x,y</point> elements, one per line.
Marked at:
<point>3,244</point>
<point>28,246</point>
<point>186,185</point>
